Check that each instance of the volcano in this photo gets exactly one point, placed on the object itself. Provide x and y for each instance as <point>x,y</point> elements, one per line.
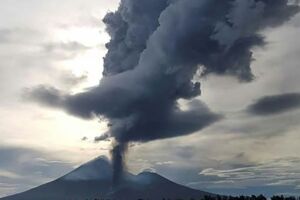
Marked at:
<point>94,180</point>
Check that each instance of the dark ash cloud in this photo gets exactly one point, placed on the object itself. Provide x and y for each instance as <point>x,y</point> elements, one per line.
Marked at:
<point>178,123</point>
<point>84,138</point>
<point>276,104</point>
<point>156,48</point>
<point>43,94</point>
<point>104,137</point>
<point>154,53</point>
<point>130,28</point>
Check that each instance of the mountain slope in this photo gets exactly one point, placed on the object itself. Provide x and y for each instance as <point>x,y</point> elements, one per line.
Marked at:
<point>153,186</point>
<point>97,169</point>
<point>93,180</point>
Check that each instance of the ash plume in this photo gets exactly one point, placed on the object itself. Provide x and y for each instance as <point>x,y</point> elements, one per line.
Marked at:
<point>156,49</point>
<point>118,163</point>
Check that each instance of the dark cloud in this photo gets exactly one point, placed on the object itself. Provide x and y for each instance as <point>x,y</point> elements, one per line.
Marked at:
<point>46,95</point>
<point>156,48</point>
<point>275,104</point>
<point>84,138</point>
<point>104,137</point>
<point>140,99</point>
<point>130,28</point>
<point>177,123</point>
<point>186,152</point>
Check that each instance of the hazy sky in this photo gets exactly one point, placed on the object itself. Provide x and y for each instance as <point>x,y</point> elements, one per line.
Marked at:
<point>62,43</point>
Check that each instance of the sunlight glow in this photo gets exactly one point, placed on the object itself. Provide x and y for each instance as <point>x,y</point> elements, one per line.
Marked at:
<point>89,62</point>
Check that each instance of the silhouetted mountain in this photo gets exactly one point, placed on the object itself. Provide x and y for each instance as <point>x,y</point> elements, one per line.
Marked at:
<point>93,180</point>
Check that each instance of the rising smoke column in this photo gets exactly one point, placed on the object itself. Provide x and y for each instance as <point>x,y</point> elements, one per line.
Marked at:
<point>156,48</point>
<point>118,162</point>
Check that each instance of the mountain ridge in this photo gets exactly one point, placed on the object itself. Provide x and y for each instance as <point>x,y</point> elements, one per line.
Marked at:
<point>94,180</point>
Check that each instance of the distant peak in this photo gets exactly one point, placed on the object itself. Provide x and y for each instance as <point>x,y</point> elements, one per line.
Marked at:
<point>102,159</point>
<point>149,173</point>
<point>96,169</point>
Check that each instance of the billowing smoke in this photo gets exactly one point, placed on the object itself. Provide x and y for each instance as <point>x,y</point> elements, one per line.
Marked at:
<point>156,48</point>
<point>118,163</point>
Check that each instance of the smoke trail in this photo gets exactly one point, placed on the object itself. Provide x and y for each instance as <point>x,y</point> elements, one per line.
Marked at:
<point>155,50</point>
<point>118,163</point>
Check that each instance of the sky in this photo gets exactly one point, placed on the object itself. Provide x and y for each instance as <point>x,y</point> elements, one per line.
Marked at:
<point>254,149</point>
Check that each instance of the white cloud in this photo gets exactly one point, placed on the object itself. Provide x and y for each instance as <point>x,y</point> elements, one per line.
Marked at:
<point>8,174</point>
<point>279,172</point>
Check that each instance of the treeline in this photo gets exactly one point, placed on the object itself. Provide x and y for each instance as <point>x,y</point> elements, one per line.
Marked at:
<point>218,197</point>
<point>253,197</point>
